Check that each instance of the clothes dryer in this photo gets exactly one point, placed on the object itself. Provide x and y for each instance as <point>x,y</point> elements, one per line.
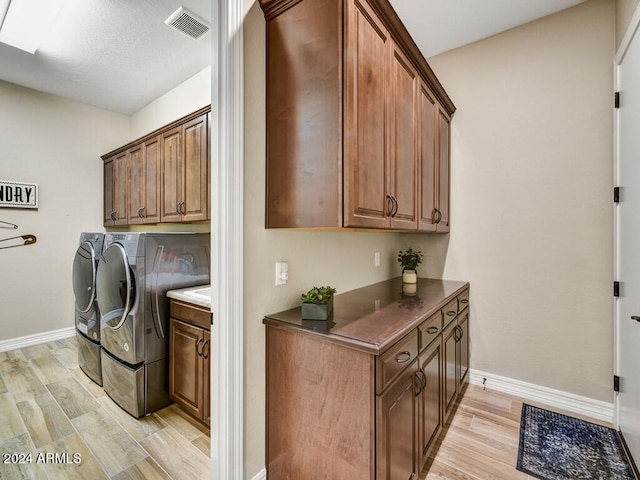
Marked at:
<point>134,274</point>
<point>87,315</point>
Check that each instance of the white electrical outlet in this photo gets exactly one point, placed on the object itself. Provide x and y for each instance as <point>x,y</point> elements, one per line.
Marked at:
<point>282,273</point>
<point>376,259</point>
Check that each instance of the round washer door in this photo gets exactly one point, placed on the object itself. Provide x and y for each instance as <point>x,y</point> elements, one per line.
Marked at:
<point>114,286</point>
<point>84,276</point>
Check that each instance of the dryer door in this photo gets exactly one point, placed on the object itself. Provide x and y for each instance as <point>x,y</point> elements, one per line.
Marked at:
<point>84,276</point>
<point>115,287</point>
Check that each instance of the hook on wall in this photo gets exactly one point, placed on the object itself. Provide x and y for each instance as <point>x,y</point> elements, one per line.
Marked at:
<point>11,225</point>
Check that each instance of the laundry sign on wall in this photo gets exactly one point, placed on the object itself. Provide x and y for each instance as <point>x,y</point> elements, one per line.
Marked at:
<point>18,194</point>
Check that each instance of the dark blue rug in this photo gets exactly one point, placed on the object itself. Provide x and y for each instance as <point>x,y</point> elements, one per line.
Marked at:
<point>557,447</point>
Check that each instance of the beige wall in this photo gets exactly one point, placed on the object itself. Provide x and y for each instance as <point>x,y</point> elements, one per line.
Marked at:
<point>624,12</point>
<point>57,144</point>
<point>191,95</point>
<point>342,259</point>
<point>531,193</point>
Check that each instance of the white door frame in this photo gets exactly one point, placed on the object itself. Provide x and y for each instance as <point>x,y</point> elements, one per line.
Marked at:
<point>227,195</point>
<point>633,26</point>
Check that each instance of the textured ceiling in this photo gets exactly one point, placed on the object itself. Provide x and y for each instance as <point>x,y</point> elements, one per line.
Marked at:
<point>119,54</point>
<point>116,54</point>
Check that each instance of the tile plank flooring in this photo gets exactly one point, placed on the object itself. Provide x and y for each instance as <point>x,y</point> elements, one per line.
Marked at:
<point>481,443</point>
<point>49,406</point>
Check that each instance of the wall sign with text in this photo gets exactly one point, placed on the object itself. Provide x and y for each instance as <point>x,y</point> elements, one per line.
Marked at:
<point>18,194</point>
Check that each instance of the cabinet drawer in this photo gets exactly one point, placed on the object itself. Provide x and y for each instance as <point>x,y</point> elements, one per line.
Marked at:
<point>450,311</point>
<point>463,300</point>
<point>191,314</point>
<point>430,329</point>
<point>392,362</point>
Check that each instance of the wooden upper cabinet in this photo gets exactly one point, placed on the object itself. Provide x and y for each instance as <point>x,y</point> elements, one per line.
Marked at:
<point>120,187</point>
<point>162,177</point>
<point>185,168</point>
<point>434,142</point>
<point>403,142</point>
<point>108,215</point>
<point>343,116</point>
<point>144,186</point>
<point>444,142</point>
<point>366,156</point>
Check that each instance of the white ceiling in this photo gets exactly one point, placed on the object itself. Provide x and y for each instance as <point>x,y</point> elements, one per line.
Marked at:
<point>119,54</point>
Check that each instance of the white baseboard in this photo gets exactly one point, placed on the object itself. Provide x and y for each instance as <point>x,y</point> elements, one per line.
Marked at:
<point>261,475</point>
<point>555,398</point>
<point>35,339</point>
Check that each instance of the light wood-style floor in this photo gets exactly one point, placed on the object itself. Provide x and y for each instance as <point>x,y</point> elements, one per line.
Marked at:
<point>481,442</point>
<point>48,406</point>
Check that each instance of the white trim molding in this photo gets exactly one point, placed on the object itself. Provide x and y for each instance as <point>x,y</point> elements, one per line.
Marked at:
<point>578,404</point>
<point>37,338</point>
<point>227,195</point>
<point>261,475</point>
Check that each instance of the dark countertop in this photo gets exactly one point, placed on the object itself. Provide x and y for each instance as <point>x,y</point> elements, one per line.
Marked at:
<point>374,317</point>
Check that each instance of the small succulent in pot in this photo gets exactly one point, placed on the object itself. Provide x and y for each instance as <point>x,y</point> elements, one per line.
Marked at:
<point>409,261</point>
<point>317,303</point>
<point>318,295</point>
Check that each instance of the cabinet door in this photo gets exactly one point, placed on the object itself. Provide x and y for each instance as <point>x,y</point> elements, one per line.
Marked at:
<point>427,160</point>
<point>206,378</point>
<point>463,347</point>
<point>171,175</point>
<point>151,208</point>
<point>186,367</point>
<point>450,381</point>
<point>135,159</point>
<point>397,458</point>
<point>430,414</point>
<point>107,178</point>
<point>403,165</point>
<point>367,58</point>
<point>195,170</point>
<point>443,171</point>
<point>120,187</point>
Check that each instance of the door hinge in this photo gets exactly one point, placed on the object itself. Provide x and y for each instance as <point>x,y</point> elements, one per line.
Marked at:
<point>616,289</point>
<point>616,194</point>
<point>616,383</point>
<point>616,100</point>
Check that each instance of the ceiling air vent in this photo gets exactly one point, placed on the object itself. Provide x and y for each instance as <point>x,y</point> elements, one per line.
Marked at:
<point>189,23</point>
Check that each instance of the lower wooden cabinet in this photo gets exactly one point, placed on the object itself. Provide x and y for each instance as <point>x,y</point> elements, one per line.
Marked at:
<point>335,408</point>
<point>189,345</point>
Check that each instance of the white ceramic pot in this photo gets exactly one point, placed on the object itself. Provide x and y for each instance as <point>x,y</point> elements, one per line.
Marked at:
<point>409,276</point>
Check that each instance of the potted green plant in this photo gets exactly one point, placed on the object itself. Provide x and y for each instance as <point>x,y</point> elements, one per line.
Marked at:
<point>317,303</point>
<point>409,261</point>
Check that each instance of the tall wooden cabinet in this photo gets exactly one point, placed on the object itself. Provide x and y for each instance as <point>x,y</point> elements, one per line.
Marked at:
<point>365,397</point>
<point>344,129</point>
<point>162,177</point>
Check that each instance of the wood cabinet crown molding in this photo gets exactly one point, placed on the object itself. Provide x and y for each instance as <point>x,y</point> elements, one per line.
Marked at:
<point>272,8</point>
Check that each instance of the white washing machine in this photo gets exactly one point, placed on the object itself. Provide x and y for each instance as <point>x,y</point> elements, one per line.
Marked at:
<point>134,274</point>
<point>87,315</point>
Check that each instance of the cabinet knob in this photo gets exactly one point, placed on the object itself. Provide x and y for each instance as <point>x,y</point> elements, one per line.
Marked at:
<point>182,210</point>
<point>432,330</point>
<point>198,349</point>
<point>464,301</point>
<point>113,215</point>
<point>451,313</point>
<point>636,318</point>
<point>205,345</point>
<point>141,212</point>
<point>403,357</point>
<point>395,205</point>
